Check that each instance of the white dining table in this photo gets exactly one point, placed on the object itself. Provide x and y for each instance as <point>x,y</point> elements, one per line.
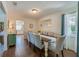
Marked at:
<point>45,40</point>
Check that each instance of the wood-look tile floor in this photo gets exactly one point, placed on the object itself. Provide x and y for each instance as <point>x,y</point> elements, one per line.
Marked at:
<point>23,50</point>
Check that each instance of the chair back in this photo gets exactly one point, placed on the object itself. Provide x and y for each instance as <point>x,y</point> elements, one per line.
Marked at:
<point>31,38</point>
<point>56,44</point>
<point>60,43</point>
<point>52,44</point>
<point>38,42</point>
<point>28,37</point>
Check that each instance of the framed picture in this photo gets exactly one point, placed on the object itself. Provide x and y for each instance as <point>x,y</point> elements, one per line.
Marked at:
<point>30,25</point>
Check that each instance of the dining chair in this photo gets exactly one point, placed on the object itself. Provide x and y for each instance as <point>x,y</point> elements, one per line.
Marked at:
<point>28,38</point>
<point>57,45</point>
<point>39,44</point>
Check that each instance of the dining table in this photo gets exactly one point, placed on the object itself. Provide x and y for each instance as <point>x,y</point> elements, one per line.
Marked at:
<point>46,40</point>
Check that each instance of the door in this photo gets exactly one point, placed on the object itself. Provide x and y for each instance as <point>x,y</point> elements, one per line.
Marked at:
<point>19,27</point>
<point>71,31</point>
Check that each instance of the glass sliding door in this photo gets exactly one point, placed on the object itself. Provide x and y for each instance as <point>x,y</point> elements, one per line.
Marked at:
<point>71,31</point>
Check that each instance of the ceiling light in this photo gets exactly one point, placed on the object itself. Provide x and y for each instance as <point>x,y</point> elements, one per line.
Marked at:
<point>14,3</point>
<point>34,11</point>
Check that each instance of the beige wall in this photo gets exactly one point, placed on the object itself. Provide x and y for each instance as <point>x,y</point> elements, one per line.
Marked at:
<point>51,23</point>
<point>30,21</point>
<point>26,25</point>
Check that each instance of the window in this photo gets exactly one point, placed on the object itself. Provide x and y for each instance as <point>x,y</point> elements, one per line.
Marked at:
<point>19,25</point>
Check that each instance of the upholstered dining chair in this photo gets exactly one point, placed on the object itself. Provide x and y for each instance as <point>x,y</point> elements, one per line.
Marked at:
<point>39,44</point>
<point>28,38</point>
<point>57,45</point>
<point>31,38</point>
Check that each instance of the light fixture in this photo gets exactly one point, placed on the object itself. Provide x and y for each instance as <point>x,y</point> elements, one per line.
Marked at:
<point>34,11</point>
<point>14,3</point>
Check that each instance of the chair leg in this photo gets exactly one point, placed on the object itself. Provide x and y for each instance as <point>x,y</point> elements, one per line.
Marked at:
<point>40,53</point>
<point>33,47</point>
<point>62,53</point>
<point>29,44</point>
<point>56,55</point>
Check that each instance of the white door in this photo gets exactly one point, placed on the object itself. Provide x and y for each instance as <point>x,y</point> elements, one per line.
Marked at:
<point>71,31</point>
<point>19,27</point>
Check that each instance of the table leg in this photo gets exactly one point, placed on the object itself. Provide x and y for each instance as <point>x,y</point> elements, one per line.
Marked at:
<point>46,48</point>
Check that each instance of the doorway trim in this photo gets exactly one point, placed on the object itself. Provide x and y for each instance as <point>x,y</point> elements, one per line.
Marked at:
<point>78,33</point>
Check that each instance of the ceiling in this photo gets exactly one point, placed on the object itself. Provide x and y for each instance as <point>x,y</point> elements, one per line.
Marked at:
<point>23,8</point>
